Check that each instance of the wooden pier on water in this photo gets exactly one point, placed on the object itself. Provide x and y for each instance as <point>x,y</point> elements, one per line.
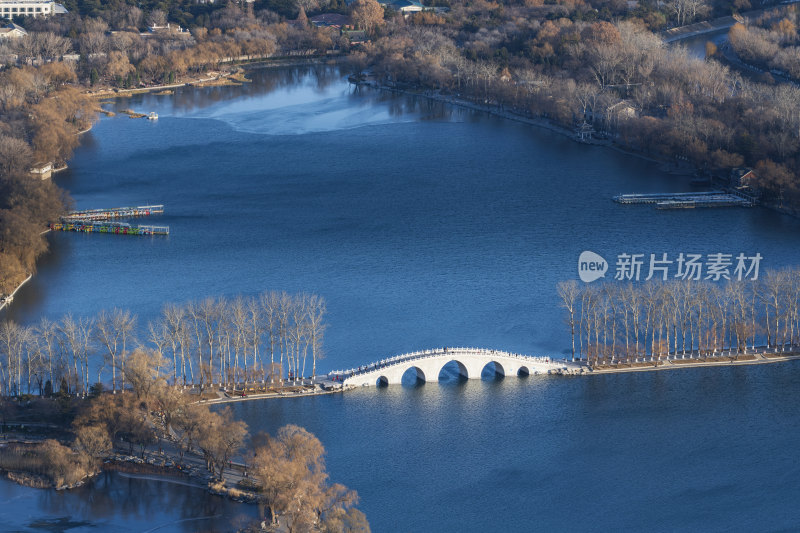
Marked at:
<point>688,200</point>
<point>101,221</point>
<point>115,212</point>
<point>117,228</point>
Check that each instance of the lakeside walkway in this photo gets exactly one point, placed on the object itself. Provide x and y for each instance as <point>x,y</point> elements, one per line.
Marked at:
<point>10,298</point>
<point>316,391</point>
<point>721,360</point>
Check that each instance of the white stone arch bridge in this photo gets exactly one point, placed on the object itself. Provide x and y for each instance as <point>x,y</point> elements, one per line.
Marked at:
<point>470,361</point>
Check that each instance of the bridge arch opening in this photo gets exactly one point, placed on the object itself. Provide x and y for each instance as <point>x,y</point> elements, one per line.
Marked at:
<point>523,372</point>
<point>453,372</point>
<point>493,370</point>
<point>413,377</point>
<point>382,381</point>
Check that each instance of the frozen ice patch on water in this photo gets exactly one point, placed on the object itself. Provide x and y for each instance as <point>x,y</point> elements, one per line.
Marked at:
<point>302,112</point>
<point>309,118</point>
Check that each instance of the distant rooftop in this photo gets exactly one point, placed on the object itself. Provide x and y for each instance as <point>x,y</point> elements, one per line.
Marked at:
<point>403,5</point>
<point>12,30</point>
<point>330,19</point>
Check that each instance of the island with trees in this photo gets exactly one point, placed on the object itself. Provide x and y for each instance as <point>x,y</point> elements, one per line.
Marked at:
<point>63,426</point>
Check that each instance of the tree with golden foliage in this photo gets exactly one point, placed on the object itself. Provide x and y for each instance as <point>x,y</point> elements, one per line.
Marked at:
<point>220,437</point>
<point>115,413</point>
<point>143,371</point>
<point>60,464</point>
<point>92,441</point>
<point>118,65</point>
<point>777,178</point>
<point>367,15</point>
<point>186,426</point>
<point>290,471</point>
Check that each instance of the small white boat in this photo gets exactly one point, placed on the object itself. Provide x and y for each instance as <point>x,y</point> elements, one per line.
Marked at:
<point>152,116</point>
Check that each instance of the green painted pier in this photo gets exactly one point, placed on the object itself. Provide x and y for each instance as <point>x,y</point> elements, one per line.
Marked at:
<point>103,221</point>
<point>116,228</point>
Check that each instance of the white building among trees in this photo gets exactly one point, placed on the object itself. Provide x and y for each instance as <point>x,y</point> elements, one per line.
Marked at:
<point>12,31</point>
<point>29,8</point>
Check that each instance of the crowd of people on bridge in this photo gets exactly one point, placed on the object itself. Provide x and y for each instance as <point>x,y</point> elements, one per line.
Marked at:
<point>383,363</point>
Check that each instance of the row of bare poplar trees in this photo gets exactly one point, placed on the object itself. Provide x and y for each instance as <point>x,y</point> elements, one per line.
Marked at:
<point>216,341</point>
<point>612,322</point>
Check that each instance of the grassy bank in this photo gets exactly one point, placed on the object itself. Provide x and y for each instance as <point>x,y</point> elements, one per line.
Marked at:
<point>45,465</point>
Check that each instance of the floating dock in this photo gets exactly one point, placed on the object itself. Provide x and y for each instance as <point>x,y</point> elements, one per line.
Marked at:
<point>115,212</point>
<point>687,200</point>
<point>117,228</point>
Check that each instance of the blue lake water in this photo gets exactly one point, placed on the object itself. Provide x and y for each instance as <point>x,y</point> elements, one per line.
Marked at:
<point>696,46</point>
<point>425,225</point>
<point>687,450</point>
<point>118,502</point>
<point>422,225</point>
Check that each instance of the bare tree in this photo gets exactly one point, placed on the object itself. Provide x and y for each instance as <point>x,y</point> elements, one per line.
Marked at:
<point>75,337</point>
<point>125,323</point>
<point>143,371</point>
<point>12,348</point>
<point>255,328</point>
<point>239,319</point>
<point>175,319</point>
<point>367,15</point>
<point>773,287</point>
<point>209,315</point>
<point>568,292</point>
<point>109,337</point>
<point>92,441</point>
<point>220,438</point>
<point>269,305</point>
<point>15,155</point>
<point>316,327</point>
<point>156,17</point>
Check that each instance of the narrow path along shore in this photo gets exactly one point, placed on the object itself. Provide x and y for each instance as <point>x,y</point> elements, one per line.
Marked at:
<point>672,364</point>
<point>269,395</point>
<point>8,299</point>
<point>117,93</point>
